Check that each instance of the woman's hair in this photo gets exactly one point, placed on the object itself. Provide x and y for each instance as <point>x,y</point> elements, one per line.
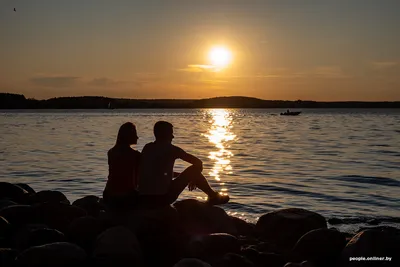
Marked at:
<point>125,133</point>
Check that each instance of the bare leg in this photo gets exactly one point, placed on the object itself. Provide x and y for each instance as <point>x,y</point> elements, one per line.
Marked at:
<point>190,174</point>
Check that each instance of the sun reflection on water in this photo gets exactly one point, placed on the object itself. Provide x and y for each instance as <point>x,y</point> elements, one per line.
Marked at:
<point>220,135</point>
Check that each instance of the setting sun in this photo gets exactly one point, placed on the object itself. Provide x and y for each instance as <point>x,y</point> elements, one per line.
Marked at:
<point>220,57</point>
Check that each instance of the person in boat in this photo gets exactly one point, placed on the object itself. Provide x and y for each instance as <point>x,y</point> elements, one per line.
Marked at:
<point>120,192</point>
<point>157,186</point>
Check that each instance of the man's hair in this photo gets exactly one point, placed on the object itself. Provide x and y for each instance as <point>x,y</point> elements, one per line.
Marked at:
<point>162,129</point>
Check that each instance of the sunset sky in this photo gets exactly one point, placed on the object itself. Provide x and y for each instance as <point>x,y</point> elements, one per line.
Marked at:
<point>299,49</point>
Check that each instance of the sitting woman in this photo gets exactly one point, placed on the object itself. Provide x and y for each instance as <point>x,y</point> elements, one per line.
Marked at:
<point>120,193</point>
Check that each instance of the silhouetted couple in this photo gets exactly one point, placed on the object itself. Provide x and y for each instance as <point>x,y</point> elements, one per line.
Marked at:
<point>147,179</point>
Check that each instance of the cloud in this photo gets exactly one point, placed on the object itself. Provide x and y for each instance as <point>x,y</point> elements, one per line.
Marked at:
<point>380,65</point>
<point>104,82</point>
<point>199,68</point>
<point>54,81</point>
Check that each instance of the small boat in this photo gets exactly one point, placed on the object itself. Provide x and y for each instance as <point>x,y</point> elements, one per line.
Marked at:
<point>291,113</point>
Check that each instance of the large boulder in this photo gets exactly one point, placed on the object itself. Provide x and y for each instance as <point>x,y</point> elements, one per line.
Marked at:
<point>320,246</point>
<point>4,232</point>
<point>381,243</point>
<point>159,232</point>
<point>91,204</point>
<point>243,228</point>
<point>191,262</point>
<point>83,231</point>
<point>212,246</point>
<point>46,196</point>
<point>56,254</point>
<point>117,246</point>
<point>19,215</point>
<point>200,218</point>
<point>284,227</point>
<point>36,235</point>
<point>13,192</point>
<point>27,188</point>
<point>233,260</point>
<point>7,257</point>
<point>4,203</point>
<point>57,215</point>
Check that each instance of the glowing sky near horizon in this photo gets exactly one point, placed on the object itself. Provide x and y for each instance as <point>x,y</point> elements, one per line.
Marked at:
<point>309,50</point>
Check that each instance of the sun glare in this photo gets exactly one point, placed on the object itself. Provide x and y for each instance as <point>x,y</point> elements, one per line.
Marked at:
<point>220,57</point>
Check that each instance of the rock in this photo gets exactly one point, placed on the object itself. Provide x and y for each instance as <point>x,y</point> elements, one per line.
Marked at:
<point>19,215</point>
<point>117,246</point>
<point>334,221</point>
<point>159,233</point>
<point>251,253</point>
<point>270,259</point>
<point>50,196</point>
<point>199,218</point>
<point>380,242</point>
<point>243,228</point>
<point>189,262</point>
<point>212,246</point>
<point>7,257</point>
<point>285,227</point>
<point>233,260</point>
<point>27,188</point>
<point>13,192</point>
<point>4,226</point>
<point>57,215</point>
<point>5,229</point>
<point>91,204</point>
<point>38,236</point>
<point>83,231</point>
<point>6,203</point>
<point>55,254</point>
<point>321,246</point>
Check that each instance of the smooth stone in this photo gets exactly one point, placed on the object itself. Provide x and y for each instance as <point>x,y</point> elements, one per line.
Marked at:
<point>233,260</point>
<point>212,246</point>
<point>91,204</point>
<point>19,215</point>
<point>243,228</point>
<point>119,246</point>
<point>52,196</point>
<point>200,218</point>
<point>191,262</point>
<point>4,203</point>
<point>38,237</point>
<point>13,192</point>
<point>83,231</point>
<point>58,215</point>
<point>7,257</point>
<point>379,242</point>
<point>285,227</point>
<point>26,187</point>
<point>55,254</point>
<point>321,246</point>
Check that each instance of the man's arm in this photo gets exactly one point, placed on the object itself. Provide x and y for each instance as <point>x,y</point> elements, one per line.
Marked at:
<point>191,159</point>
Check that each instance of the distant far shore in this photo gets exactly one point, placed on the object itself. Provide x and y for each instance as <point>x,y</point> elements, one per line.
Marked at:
<point>18,101</point>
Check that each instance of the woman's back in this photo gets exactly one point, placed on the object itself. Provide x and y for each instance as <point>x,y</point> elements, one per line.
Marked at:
<point>123,164</point>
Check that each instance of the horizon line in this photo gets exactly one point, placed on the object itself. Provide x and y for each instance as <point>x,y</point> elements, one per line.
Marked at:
<point>208,98</point>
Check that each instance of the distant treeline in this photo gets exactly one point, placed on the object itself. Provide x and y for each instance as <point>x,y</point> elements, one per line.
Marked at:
<point>17,101</point>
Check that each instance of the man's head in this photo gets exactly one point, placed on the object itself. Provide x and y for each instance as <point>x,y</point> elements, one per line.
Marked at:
<point>163,131</point>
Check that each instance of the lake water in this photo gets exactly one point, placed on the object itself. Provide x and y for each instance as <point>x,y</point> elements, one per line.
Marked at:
<point>342,163</point>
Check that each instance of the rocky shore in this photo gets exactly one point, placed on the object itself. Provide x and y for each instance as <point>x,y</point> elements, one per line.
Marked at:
<point>45,229</point>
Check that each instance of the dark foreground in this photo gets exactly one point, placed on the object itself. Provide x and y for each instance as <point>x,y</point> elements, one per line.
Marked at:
<point>44,229</point>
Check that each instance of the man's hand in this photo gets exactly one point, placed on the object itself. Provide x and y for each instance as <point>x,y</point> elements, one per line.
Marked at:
<point>192,186</point>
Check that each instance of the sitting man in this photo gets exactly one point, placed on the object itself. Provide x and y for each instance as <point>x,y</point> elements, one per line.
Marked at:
<point>157,187</point>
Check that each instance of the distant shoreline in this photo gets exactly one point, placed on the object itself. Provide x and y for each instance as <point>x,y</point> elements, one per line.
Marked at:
<point>18,101</point>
